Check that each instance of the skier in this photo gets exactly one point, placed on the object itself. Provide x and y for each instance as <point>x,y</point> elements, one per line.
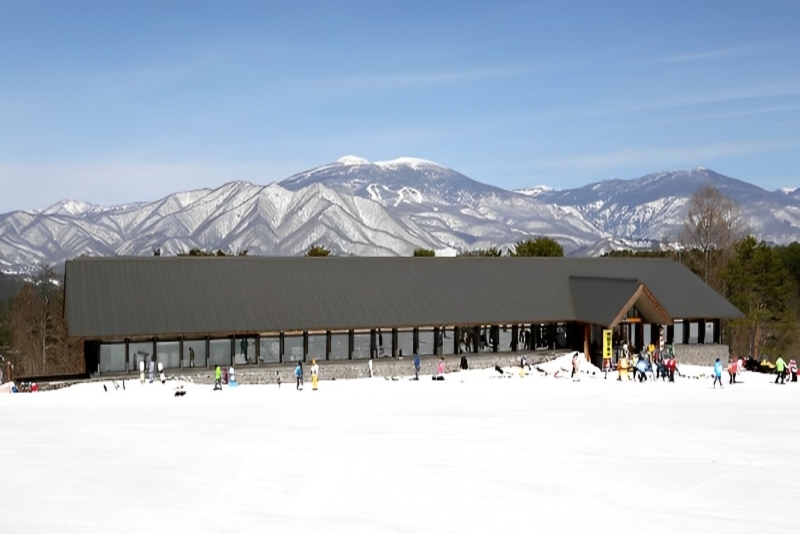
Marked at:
<point>440,369</point>
<point>370,367</point>
<point>416,366</point>
<point>314,374</point>
<point>718,373</point>
<point>780,368</point>
<point>298,374</point>
<point>218,378</point>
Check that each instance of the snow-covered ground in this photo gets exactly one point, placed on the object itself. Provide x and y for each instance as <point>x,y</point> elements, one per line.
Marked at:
<point>474,453</point>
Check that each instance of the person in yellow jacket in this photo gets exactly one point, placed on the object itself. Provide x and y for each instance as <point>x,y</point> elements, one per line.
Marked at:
<point>314,374</point>
<point>622,367</point>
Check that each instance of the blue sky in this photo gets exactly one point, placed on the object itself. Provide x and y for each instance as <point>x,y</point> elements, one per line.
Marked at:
<point>113,102</point>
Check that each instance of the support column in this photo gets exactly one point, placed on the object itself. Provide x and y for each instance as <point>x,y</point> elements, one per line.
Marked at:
<point>327,345</point>
<point>305,345</point>
<point>437,349</point>
<point>395,342</point>
<point>415,343</point>
<point>127,355</point>
<point>351,344</point>
<point>280,347</point>
<point>587,333</point>
<point>456,338</point>
<point>180,351</point>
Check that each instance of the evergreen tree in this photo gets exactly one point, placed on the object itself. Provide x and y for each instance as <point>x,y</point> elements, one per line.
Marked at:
<point>318,251</point>
<point>420,252</point>
<point>759,285</point>
<point>539,246</point>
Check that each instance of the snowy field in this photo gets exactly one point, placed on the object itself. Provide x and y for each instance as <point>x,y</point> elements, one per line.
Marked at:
<point>474,453</point>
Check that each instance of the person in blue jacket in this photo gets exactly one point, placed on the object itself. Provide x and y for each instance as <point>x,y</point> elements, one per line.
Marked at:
<point>718,373</point>
<point>416,366</point>
<point>298,374</point>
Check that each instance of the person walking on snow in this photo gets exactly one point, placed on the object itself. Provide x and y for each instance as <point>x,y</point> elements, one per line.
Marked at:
<point>416,366</point>
<point>718,373</point>
<point>370,367</point>
<point>780,368</point>
<point>217,378</point>
<point>314,374</point>
<point>298,375</point>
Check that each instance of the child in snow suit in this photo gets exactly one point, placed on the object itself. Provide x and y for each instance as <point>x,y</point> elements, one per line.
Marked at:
<point>416,366</point>
<point>217,378</point>
<point>314,374</point>
<point>298,374</point>
<point>718,373</point>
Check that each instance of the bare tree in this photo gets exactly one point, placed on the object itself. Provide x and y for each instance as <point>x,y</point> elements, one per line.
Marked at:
<point>712,226</point>
<point>38,331</point>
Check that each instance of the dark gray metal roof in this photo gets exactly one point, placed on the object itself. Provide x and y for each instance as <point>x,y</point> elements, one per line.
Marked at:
<point>129,297</point>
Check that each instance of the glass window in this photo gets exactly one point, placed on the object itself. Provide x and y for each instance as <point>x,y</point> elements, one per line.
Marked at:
<point>340,344</point>
<point>317,346</point>
<point>219,352</point>
<point>293,348</point>
<point>270,349</point>
<point>445,341</point>
<point>505,339</point>
<point>677,336</point>
<point>694,332</point>
<point>245,348</point>
<point>562,336</point>
<point>383,342</point>
<point>194,353</point>
<point>361,346</point>
<point>139,352</point>
<point>425,342</point>
<point>709,337</point>
<point>112,357</point>
<point>542,336</point>
<point>405,342</point>
<point>168,353</point>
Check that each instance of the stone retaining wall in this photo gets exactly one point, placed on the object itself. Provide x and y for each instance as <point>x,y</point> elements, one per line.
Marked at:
<point>351,369</point>
<point>701,354</point>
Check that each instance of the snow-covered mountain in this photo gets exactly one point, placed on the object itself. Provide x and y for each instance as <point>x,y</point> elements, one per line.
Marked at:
<point>654,207</point>
<point>453,208</point>
<point>353,206</point>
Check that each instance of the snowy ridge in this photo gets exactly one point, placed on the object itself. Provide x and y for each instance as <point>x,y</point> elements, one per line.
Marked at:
<point>353,206</point>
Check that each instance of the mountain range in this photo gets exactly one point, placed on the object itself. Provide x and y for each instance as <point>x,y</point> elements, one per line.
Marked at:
<point>353,206</point>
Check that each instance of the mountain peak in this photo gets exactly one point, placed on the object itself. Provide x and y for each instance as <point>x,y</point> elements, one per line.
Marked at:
<point>352,160</point>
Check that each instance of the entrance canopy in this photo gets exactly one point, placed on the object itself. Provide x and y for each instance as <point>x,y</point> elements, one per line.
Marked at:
<point>606,301</point>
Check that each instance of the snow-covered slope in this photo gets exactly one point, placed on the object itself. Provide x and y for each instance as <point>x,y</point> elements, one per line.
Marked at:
<point>654,207</point>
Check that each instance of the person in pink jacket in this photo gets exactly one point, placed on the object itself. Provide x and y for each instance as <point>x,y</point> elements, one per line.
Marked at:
<point>441,367</point>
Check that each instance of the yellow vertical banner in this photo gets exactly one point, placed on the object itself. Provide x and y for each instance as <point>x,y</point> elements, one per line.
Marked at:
<point>607,341</point>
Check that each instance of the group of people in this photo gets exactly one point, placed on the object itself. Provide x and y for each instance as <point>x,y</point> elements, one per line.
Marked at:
<point>298,375</point>
<point>657,363</point>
